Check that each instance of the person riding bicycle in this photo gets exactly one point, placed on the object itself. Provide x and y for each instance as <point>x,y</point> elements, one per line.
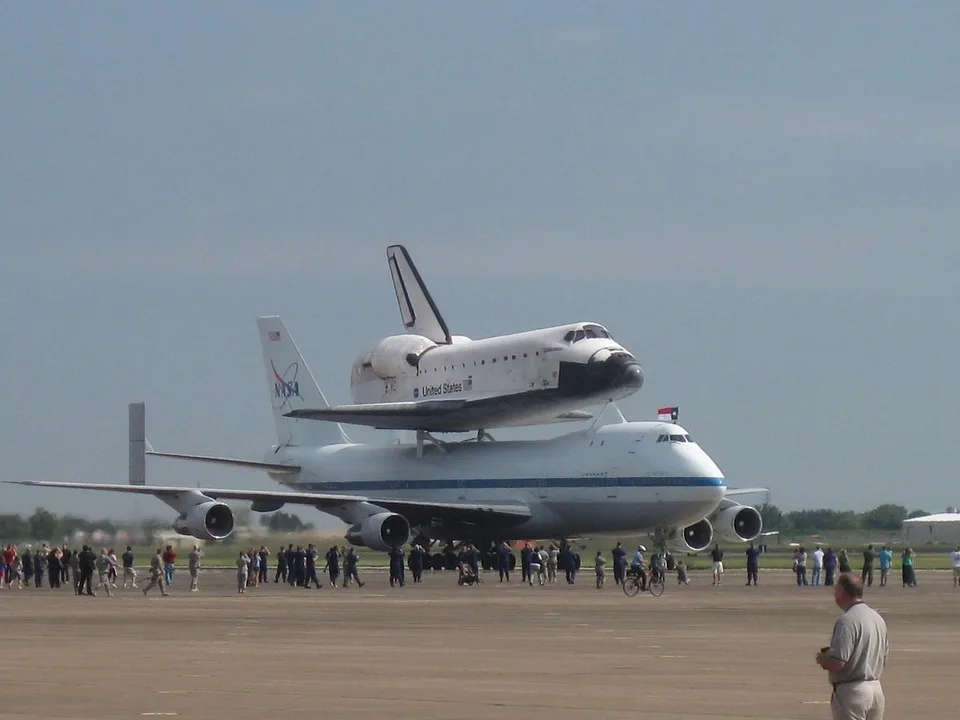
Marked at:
<point>638,568</point>
<point>658,567</point>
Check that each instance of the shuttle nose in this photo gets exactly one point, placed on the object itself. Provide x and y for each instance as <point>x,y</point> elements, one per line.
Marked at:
<point>613,373</point>
<point>624,372</point>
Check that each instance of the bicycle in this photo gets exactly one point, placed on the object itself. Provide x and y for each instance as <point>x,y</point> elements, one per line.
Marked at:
<point>652,581</point>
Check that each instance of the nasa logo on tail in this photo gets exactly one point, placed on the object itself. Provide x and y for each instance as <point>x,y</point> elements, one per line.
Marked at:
<point>416,393</point>
<point>286,386</point>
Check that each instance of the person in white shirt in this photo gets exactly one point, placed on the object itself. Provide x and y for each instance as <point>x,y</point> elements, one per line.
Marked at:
<point>955,558</point>
<point>817,564</point>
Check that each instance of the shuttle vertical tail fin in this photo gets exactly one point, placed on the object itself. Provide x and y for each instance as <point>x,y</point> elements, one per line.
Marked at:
<point>417,309</point>
<point>292,387</point>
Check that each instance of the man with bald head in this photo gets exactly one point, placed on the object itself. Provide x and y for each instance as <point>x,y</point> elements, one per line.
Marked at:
<point>856,656</point>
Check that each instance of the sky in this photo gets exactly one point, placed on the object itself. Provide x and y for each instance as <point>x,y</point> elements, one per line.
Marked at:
<point>759,201</point>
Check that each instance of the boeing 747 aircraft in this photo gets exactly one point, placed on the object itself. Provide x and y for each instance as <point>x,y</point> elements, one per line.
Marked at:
<point>431,381</point>
<point>622,477</point>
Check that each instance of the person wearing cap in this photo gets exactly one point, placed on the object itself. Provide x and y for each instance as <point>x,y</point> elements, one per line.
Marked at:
<point>856,656</point>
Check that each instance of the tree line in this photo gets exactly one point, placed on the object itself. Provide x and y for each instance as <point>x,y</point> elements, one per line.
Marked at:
<point>883,517</point>
<point>45,525</point>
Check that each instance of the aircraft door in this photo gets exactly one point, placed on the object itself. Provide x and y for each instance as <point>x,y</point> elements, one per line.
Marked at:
<point>461,489</point>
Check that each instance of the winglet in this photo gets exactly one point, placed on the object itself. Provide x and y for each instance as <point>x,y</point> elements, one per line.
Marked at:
<point>417,309</point>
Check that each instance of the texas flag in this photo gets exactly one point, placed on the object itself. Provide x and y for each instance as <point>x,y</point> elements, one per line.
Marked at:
<point>668,414</point>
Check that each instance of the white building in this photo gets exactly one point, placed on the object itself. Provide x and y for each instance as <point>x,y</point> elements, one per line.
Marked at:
<point>942,529</point>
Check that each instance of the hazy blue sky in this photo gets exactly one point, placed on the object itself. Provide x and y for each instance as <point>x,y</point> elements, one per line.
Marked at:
<point>760,200</point>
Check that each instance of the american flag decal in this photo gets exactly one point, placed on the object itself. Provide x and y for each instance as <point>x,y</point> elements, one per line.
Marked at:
<point>273,335</point>
<point>468,383</point>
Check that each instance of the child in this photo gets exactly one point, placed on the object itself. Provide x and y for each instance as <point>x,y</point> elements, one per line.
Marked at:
<point>682,578</point>
<point>600,564</point>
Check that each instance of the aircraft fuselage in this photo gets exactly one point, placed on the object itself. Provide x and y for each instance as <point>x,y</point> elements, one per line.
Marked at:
<point>616,478</point>
<point>512,380</point>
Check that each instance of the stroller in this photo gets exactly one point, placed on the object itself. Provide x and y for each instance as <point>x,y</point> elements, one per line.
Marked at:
<point>468,576</point>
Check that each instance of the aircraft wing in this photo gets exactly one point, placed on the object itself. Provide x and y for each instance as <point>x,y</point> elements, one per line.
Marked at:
<point>745,491</point>
<point>414,510</point>
<point>275,468</point>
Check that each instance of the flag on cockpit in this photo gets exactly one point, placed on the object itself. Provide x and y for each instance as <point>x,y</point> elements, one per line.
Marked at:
<point>668,414</point>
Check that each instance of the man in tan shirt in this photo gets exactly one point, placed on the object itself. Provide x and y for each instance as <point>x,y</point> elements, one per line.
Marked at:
<point>856,656</point>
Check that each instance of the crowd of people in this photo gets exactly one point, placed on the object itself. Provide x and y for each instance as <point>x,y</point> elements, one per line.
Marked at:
<point>89,572</point>
<point>825,564</point>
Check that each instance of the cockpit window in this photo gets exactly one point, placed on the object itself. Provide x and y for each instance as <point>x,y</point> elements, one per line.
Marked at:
<point>674,438</point>
<point>588,331</point>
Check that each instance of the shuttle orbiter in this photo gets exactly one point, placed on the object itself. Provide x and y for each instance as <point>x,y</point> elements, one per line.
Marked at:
<point>429,380</point>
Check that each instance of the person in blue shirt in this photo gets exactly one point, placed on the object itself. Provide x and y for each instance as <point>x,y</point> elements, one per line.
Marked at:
<point>886,561</point>
<point>619,563</point>
<point>350,560</point>
<point>829,566</point>
<point>503,562</point>
<point>753,564</point>
<point>333,565</point>
<point>525,556</point>
<point>310,556</point>
<point>416,560</point>
<point>396,566</point>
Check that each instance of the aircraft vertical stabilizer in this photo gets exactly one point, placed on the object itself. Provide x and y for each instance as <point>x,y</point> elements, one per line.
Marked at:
<point>417,309</point>
<point>137,470</point>
<point>292,387</point>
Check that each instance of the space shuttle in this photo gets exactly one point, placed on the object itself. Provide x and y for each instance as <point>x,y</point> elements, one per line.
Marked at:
<point>429,380</point>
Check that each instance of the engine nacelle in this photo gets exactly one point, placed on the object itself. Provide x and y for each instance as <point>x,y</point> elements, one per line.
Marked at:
<point>692,538</point>
<point>380,532</point>
<point>206,521</point>
<point>738,523</point>
<point>398,355</point>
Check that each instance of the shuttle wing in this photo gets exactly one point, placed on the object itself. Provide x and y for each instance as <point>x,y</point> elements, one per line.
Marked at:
<point>416,511</point>
<point>425,415</point>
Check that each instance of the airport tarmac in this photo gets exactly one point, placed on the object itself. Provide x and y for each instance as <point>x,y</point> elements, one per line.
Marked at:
<point>440,651</point>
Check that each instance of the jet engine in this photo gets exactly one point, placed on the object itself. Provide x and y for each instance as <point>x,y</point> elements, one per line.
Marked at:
<point>398,355</point>
<point>692,538</point>
<point>738,523</point>
<point>206,521</point>
<point>380,532</point>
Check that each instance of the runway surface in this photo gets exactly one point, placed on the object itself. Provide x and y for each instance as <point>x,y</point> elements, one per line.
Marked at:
<point>440,651</point>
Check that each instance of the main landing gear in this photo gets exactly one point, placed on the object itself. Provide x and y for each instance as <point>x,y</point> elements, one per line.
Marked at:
<point>423,437</point>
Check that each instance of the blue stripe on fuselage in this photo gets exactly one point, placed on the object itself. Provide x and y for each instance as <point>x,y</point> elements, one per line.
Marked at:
<point>515,484</point>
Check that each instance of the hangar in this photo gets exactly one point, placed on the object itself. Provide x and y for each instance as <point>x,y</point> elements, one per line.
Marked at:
<point>939,529</point>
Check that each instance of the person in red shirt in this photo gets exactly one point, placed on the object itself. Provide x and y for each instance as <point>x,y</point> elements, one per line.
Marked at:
<point>9,558</point>
<point>169,564</point>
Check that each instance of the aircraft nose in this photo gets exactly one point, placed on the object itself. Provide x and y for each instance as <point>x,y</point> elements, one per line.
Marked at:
<point>623,372</point>
<point>632,376</point>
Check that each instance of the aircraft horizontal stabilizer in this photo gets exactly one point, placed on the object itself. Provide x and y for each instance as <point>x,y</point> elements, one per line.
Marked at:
<point>275,468</point>
<point>415,511</point>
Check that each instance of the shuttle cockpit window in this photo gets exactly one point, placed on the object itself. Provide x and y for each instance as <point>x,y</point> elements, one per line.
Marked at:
<point>587,332</point>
